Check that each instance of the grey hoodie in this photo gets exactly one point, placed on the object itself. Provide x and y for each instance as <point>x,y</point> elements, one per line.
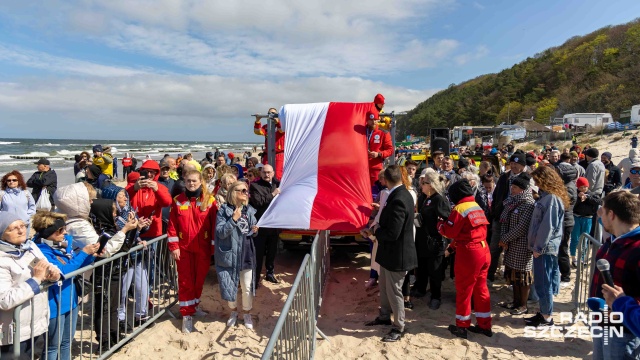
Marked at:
<point>625,164</point>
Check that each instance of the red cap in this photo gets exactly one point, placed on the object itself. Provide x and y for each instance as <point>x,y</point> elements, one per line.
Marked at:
<point>230,155</point>
<point>133,177</point>
<point>582,181</point>
<point>379,99</point>
<point>371,116</point>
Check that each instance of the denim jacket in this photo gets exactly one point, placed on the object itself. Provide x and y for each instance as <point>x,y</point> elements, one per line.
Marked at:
<point>545,230</point>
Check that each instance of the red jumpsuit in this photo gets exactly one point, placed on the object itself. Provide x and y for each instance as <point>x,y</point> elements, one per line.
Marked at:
<point>467,226</point>
<point>262,130</point>
<point>380,142</point>
<point>192,231</point>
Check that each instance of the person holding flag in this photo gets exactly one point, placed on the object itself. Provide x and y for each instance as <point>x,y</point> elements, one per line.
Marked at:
<point>379,146</point>
<point>262,130</point>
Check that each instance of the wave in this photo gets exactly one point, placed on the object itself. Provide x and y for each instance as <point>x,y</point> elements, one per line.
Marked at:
<point>9,142</point>
<point>47,144</point>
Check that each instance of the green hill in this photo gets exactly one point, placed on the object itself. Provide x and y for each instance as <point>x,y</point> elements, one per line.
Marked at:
<point>599,72</point>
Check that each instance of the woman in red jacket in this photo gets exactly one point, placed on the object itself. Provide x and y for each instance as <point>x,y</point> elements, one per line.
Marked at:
<point>467,227</point>
<point>192,225</point>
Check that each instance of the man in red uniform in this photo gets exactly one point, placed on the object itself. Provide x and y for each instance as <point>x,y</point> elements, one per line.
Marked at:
<point>467,227</point>
<point>259,129</point>
<point>379,147</point>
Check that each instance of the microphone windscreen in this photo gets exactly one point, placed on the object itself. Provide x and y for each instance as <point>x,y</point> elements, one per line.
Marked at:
<point>603,265</point>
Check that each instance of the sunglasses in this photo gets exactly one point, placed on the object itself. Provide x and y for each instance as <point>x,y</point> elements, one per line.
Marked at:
<point>425,183</point>
<point>635,171</point>
<point>11,180</point>
<point>244,191</point>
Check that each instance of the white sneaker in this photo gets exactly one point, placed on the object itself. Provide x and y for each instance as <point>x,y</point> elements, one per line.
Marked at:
<point>232,319</point>
<point>199,312</point>
<point>248,323</point>
<point>187,324</point>
<point>564,284</point>
<point>371,283</point>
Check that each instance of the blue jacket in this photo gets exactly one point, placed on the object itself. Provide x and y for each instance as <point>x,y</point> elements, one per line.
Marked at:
<point>228,252</point>
<point>545,231</point>
<point>630,309</point>
<point>66,264</point>
<point>19,202</point>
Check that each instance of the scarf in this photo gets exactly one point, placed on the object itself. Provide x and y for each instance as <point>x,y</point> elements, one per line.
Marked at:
<point>512,202</point>
<point>17,250</point>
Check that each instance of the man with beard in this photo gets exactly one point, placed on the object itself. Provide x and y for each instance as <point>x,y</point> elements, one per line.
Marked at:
<point>620,214</point>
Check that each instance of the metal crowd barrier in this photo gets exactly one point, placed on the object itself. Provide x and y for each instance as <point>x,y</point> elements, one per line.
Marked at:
<point>294,336</point>
<point>587,249</point>
<point>107,316</point>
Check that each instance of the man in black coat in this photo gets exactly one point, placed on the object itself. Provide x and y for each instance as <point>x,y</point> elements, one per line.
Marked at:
<point>396,252</point>
<point>261,194</point>
<point>45,177</point>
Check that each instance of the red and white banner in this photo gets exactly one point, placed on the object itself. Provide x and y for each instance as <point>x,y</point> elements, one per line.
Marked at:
<point>325,185</point>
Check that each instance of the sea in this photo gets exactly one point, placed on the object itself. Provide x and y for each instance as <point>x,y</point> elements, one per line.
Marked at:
<point>21,154</point>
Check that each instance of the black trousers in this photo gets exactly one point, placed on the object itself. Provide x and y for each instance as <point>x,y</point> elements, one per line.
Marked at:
<point>564,259</point>
<point>106,299</point>
<point>266,244</point>
<point>430,270</point>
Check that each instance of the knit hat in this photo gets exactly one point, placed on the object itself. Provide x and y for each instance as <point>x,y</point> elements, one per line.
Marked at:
<point>379,99</point>
<point>97,148</point>
<point>371,116</point>
<point>6,218</point>
<point>607,154</point>
<point>111,192</point>
<point>582,181</point>
<point>459,190</point>
<point>591,152</point>
<point>518,158</point>
<point>522,181</point>
<point>574,154</point>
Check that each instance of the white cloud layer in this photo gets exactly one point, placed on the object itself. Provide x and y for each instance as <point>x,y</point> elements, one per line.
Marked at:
<point>176,106</point>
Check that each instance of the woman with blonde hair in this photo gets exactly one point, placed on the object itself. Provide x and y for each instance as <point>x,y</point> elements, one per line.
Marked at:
<point>225,181</point>
<point>235,255</point>
<point>430,245</point>
<point>56,245</point>
<point>544,237</point>
<point>191,230</point>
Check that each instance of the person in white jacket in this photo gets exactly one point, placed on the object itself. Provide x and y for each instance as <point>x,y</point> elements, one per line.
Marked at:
<point>23,269</point>
<point>75,201</point>
<point>625,164</point>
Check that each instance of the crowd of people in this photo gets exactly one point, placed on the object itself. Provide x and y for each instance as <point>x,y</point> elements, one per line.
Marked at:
<point>526,208</point>
<point>194,202</point>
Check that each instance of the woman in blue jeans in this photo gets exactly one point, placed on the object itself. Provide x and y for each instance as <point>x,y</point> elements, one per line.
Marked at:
<point>52,239</point>
<point>544,237</point>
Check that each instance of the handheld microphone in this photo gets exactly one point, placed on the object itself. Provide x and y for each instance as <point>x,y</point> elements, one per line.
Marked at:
<point>603,267</point>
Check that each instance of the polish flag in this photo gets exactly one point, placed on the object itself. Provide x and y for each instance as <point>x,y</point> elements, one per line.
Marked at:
<point>325,185</point>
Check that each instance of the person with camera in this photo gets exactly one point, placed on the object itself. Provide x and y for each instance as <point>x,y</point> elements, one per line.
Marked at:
<point>620,214</point>
<point>148,198</point>
<point>23,269</point>
<point>56,245</point>
<point>103,158</point>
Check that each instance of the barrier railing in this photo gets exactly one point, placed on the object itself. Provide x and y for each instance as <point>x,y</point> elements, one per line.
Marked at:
<point>586,263</point>
<point>294,336</point>
<point>118,297</point>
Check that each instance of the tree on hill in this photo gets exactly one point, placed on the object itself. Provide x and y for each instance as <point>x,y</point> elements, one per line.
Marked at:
<point>598,72</point>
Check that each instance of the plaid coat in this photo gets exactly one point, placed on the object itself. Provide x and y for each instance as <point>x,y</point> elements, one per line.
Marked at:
<point>514,227</point>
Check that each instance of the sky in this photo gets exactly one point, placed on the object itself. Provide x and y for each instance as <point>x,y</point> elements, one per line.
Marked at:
<point>196,70</point>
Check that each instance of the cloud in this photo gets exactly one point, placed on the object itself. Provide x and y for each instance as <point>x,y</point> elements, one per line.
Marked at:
<point>40,60</point>
<point>480,52</point>
<point>277,38</point>
<point>173,107</point>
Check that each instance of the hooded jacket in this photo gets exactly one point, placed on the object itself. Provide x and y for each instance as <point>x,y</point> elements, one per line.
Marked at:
<point>67,261</point>
<point>17,286</point>
<point>569,174</point>
<point>228,254</point>
<point>595,173</point>
<point>19,202</point>
<point>625,164</point>
<point>149,203</point>
<point>74,201</point>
